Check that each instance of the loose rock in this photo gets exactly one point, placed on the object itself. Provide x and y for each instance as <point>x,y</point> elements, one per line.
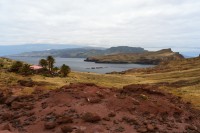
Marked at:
<point>91,117</point>
<point>50,125</point>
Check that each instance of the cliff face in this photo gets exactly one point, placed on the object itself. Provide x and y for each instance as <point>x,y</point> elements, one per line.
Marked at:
<point>139,58</point>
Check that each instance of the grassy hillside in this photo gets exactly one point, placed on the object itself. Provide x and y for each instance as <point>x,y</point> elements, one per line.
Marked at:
<point>173,65</point>
<point>5,63</point>
<point>140,58</point>
<point>181,78</point>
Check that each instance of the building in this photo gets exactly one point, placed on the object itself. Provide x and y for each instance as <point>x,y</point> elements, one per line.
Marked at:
<point>36,67</point>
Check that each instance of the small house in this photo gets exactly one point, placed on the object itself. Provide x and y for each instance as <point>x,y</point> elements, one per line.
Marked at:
<point>36,67</point>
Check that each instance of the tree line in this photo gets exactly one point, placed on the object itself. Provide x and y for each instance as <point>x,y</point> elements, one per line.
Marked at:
<point>47,65</point>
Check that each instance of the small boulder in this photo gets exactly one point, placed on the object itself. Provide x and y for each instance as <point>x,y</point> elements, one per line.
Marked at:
<point>64,119</point>
<point>191,127</point>
<point>144,97</point>
<point>131,121</point>
<point>111,114</point>
<point>106,119</point>
<point>91,117</point>
<point>93,99</point>
<point>50,125</point>
<point>66,129</point>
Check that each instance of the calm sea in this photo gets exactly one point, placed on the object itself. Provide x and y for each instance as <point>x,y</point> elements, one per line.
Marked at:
<point>78,64</point>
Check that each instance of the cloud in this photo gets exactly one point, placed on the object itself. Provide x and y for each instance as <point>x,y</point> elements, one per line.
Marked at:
<point>162,23</point>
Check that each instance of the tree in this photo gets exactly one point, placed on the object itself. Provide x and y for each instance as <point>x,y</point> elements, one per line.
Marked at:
<point>43,63</point>
<point>50,61</point>
<point>65,70</point>
<point>16,66</point>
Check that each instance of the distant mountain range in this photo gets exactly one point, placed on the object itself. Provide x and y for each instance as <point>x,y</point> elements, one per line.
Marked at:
<point>82,52</point>
<point>71,50</point>
<point>17,49</point>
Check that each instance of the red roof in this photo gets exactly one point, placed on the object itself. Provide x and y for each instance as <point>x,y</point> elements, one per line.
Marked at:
<point>36,67</point>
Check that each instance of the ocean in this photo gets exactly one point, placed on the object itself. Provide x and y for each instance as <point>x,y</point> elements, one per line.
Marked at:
<point>78,64</point>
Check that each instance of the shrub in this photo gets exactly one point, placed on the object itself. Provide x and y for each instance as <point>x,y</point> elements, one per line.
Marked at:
<point>64,70</point>
<point>16,66</point>
<point>26,83</point>
<point>55,69</point>
<point>25,70</point>
<point>1,64</point>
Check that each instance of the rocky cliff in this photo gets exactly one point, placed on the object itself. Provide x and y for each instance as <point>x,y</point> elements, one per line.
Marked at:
<point>138,58</point>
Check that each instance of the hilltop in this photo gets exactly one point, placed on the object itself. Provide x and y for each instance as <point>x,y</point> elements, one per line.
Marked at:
<point>138,58</point>
<point>82,52</point>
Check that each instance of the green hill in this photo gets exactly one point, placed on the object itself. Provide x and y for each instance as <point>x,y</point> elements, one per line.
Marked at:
<point>82,52</point>
<point>139,58</point>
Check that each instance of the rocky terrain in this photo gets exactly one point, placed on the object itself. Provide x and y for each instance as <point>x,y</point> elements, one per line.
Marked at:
<point>87,108</point>
<point>154,58</point>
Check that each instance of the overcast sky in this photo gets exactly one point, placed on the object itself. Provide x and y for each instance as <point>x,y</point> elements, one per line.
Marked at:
<point>145,23</point>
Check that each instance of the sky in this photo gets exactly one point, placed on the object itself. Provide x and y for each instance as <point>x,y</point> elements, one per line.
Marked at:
<point>101,23</point>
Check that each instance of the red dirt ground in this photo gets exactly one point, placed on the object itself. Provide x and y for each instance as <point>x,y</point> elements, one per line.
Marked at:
<point>87,108</point>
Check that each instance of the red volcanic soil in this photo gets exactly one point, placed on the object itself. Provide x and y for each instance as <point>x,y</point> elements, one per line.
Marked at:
<point>87,108</point>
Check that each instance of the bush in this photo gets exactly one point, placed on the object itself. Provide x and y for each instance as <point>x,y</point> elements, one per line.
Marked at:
<point>55,69</point>
<point>1,64</point>
<point>16,66</point>
<point>26,83</point>
<point>26,70</point>
<point>65,70</point>
<point>45,72</point>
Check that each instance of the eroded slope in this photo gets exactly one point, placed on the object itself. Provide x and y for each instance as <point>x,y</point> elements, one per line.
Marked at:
<point>87,108</point>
